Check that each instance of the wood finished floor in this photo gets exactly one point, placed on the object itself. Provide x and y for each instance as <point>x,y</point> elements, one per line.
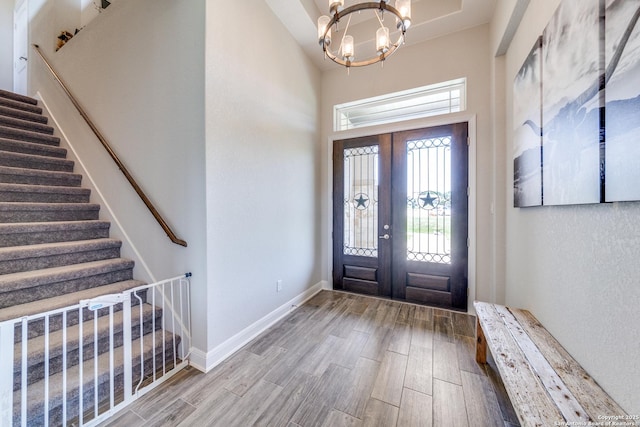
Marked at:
<point>340,360</point>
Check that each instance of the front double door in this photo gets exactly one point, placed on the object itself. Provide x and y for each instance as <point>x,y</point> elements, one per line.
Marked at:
<point>400,215</point>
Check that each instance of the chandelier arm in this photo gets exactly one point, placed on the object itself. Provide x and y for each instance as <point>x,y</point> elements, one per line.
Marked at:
<point>379,20</point>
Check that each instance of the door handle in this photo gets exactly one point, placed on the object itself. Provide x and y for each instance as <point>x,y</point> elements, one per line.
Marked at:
<point>385,237</point>
<point>23,58</point>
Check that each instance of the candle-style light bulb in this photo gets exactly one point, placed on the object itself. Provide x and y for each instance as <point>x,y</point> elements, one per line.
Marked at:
<point>348,50</point>
<point>323,22</point>
<point>404,7</point>
<point>382,40</point>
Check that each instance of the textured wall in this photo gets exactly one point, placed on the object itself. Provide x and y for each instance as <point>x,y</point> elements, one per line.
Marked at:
<point>262,99</point>
<point>576,267</point>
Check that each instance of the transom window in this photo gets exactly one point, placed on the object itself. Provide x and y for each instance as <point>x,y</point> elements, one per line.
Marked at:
<point>426,101</point>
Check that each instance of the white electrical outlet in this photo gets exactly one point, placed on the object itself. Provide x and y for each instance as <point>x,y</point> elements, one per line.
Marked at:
<point>278,285</point>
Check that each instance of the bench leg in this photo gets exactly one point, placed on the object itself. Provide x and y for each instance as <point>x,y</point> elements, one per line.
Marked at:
<point>481,344</point>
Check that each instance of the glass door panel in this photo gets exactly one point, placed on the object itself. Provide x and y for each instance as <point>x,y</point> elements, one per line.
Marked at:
<point>429,200</point>
<point>361,201</point>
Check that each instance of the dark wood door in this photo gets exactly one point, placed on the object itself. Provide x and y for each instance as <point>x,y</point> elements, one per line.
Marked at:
<point>430,209</point>
<point>401,215</point>
<point>362,214</point>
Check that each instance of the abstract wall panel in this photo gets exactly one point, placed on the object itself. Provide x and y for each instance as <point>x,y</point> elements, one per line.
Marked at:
<point>571,70</point>
<point>622,58</point>
<point>527,122</point>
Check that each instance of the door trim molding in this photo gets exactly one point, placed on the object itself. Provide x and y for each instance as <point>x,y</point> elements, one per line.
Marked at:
<point>15,56</point>
<point>399,127</point>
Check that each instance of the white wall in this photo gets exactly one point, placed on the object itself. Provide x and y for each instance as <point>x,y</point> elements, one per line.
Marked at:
<point>143,84</point>
<point>47,18</point>
<point>461,54</point>
<point>505,19</point>
<point>576,267</point>
<point>6,44</point>
<point>88,11</point>
<point>67,16</point>
<point>262,156</point>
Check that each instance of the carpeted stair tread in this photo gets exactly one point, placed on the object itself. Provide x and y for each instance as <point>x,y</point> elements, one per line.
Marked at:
<point>60,301</point>
<point>17,97</point>
<point>14,146</point>
<point>12,212</point>
<point>140,349</point>
<point>31,233</point>
<point>46,249</point>
<point>22,114</point>
<point>35,346</point>
<point>48,276</point>
<point>29,125</point>
<point>12,175</point>
<point>31,161</point>
<point>17,105</point>
<point>46,255</point>
<point>43,193</point>
<point>29,136</point>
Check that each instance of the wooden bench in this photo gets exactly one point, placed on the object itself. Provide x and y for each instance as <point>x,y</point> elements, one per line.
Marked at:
<point>547,387</point>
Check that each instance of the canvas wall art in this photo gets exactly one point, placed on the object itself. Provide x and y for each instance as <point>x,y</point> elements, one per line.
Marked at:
<point>622,59</point>
<point>572,66</point>
<point>527,122</point>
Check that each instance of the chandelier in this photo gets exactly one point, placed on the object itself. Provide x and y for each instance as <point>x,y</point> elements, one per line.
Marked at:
<point>384,47</point>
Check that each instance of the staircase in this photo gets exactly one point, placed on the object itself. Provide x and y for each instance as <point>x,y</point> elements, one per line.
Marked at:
<point>54,252</point>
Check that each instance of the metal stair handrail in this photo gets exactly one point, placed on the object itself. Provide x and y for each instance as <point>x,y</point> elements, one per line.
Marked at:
<point>112,153</point>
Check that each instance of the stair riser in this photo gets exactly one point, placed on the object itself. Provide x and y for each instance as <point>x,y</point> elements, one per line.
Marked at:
<point>22,135</point>
<point>35,238</point>
<point>67,180</point>
<point>16,123</point>
<point>20,106</point>
<point>40,163</point>
<point>57,260</point>
<point>22,115</point>
<point>50,290</point>
<point>19,196</point>
<point>48,216</point>
<point>36,411</point>
<point>33,149</point>
<point>36,327</point>
<point>36,369</point>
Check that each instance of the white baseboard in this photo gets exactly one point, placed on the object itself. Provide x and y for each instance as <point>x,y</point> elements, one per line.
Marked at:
<point>198,359</point>
<point>205,361</point>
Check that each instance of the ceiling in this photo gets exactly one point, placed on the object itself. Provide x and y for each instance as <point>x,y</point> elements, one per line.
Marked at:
<point>429,19</point>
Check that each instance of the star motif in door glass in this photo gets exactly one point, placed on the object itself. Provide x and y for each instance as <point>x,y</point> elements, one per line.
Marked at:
<point>429,200</point>
<point>361,201</point>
